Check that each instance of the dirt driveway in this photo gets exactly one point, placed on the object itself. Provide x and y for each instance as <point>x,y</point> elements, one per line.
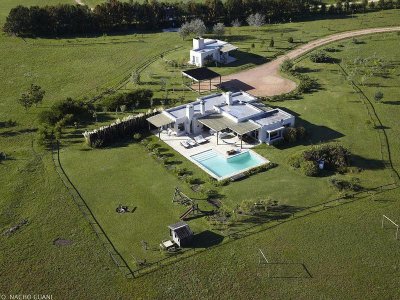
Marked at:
<point>265,80</point>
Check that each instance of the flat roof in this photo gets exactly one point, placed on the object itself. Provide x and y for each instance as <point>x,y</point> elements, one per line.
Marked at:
<point>160,120</point>
<point>272,116</point>
<point>240,110</point>
<point>210,101</point>
<point>200,74</point>
<point>219,122</point>
<point>178,225</point>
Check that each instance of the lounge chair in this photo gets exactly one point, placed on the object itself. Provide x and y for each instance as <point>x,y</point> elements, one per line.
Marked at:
<point>191,142</point>
<point>200,139</point>
<point>222,135</point>
<point>185,144</point>
<point>232,152</point>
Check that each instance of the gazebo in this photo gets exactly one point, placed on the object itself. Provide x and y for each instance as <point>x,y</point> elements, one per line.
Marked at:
<point>198,76</point>
<point>220,122</point>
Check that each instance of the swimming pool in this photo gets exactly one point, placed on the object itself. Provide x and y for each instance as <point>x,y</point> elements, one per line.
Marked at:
<point>222,167</point>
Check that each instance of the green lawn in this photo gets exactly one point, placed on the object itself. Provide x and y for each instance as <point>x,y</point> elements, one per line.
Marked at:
<point>344,248</point>
<point>341,118</point>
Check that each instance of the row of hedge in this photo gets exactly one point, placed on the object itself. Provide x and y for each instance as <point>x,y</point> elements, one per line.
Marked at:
<point>67,19</point>
<point>117,131</point>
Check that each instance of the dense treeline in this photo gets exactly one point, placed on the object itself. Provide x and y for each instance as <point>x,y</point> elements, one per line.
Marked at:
<point>113,15</point>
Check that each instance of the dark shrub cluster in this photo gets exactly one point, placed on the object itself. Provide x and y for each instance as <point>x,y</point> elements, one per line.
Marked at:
<point>140,98</point>
<point>294,134</point>
<point>347,185</point>
<point>321,57</point>
<point>335,157</point>
<point>68,112</point>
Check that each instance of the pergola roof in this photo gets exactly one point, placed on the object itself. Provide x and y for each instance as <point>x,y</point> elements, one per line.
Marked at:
<point>160,120</point>
<point>200,74</point>
<point>219,122</point>
<point>228,47</point>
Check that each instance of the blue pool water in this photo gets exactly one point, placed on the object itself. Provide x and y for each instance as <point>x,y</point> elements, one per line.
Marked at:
<point>221,166</point>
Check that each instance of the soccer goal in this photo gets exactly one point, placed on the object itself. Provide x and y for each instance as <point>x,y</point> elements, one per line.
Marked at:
<point>386,219</point>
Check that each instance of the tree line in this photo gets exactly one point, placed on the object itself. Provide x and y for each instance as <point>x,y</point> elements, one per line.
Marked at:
<point>113,15</point>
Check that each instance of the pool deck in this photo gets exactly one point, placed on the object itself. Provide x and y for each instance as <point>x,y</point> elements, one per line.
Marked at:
<point>222,147</point>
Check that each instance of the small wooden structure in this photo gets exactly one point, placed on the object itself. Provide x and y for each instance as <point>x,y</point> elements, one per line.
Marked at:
<point>181,234</point>
<point>198,76</point>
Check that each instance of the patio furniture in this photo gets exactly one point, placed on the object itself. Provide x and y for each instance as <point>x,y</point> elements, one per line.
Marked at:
<point>185,144</point>
<point>223,135</point>
<point>213,132</point>
<point>232,152</point>
<point>191,142</point>
<point>200,139</point>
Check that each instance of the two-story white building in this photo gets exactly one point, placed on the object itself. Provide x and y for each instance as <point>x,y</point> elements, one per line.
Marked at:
<point>210,50</point>
<point>240,113</point>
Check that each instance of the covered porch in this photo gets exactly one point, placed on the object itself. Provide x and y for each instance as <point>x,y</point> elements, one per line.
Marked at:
<point>225,51</point>
<point>219,123</point>
<point>201,79</point>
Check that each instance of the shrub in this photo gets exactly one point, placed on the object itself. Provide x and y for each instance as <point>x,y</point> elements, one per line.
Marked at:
<point>287,65</point>
<point>45,135</point>
<point>223,182</point>
<point>290,39</point>
<point>378,96</point>
<point>347,185</point>
<point>309,168</point>
<point>307,84</point>
<point>296,160</point>
<point>293,134</point>
<point>137,137</point>
<point>335,156</point>
<point>320,57</point>
<point>140,98</point>
<point>290,135</point>
<point>68,112</point>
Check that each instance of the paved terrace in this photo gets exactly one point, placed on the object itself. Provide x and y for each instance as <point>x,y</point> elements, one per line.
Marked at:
<point>223,146</point>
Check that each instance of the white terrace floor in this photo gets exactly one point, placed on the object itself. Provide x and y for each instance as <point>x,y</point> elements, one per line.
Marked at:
<point>223,144</point>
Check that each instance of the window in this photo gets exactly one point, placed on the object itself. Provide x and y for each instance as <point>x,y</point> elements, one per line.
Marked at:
<point>181,127</point>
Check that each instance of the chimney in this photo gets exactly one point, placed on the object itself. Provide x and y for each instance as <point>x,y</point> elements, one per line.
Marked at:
<point>228,98</point>
<point>202,107</point>
<point>189,112</point>
<point>198,43</point>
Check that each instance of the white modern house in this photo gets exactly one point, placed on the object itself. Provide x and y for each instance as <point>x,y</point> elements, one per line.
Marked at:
<point>239,113</point>
<point>205,50</point>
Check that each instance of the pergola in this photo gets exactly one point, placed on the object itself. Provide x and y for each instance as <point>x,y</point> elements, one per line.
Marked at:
<point>159,121</point>
<point>199,75</point>
<point>219,122</point>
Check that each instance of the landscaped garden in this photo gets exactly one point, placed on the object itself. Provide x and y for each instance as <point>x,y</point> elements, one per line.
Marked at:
<point>343,247</point>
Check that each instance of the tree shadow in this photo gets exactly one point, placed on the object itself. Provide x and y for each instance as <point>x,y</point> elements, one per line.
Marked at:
<point>367,163</point>
<point>11,133</point>
<point>391,102</point>
<point>237,38</point>
<point>206,239</point>
<point>235,85</point>
<point>307,70</point>
<point>315,133</point>
<point>245,58</point>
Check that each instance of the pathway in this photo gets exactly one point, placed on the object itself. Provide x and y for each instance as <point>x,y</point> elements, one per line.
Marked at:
<point>265,80</point>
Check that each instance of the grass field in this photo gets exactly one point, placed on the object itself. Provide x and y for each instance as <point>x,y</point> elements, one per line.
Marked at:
<point>124,169</point>
<point>343,248</point>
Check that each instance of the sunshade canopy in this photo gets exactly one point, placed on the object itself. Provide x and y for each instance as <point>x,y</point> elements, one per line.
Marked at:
<point>200,74</point>
<point>219,122</point>
<point>160,120</point>
<point>228,47</point>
